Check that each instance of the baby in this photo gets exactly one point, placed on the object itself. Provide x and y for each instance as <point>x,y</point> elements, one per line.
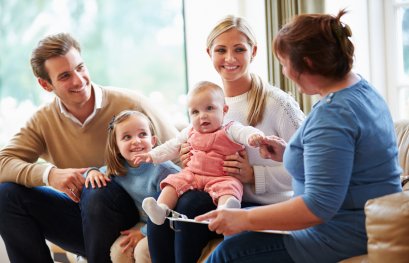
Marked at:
<point>210,141</point>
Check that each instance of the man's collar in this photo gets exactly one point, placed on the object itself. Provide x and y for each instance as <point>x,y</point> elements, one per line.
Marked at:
<point>98,100</point>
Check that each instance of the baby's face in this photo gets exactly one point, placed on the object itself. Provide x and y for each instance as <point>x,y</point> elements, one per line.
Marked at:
<point>206,111</point>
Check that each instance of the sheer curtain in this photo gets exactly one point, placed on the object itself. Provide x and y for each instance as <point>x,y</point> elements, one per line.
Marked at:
<point>278,12</point>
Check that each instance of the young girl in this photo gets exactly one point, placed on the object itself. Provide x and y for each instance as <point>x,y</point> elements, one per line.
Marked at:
<point>211,141</point>
<point>130,133</point>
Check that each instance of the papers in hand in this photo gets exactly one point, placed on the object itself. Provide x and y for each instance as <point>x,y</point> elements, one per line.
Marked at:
<point>206,222</point>
<point>180,219</point>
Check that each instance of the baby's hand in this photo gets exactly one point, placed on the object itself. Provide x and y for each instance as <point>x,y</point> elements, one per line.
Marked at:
<point>142,158</point>
<point>256,140</point>
<point>96,177</point>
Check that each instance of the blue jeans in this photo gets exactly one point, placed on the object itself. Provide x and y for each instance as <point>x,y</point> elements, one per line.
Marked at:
<point>186,243</point>
<point>251,247</point>
<point>28,216</point>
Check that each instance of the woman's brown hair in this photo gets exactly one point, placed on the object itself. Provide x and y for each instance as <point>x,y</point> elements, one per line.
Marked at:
<point>316,44</point>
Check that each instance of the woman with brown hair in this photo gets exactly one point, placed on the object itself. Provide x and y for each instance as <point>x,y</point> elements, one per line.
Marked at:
<point>344,153</point>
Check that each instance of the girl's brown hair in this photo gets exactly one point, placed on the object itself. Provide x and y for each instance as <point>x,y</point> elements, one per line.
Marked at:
<point>316,44</point>
<point>258,91</point>
<point>113,158</point>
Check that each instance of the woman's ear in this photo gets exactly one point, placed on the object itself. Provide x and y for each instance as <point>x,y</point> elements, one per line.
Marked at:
<point>208,52</point>
<point>308,61</point>
<point>254,53</point>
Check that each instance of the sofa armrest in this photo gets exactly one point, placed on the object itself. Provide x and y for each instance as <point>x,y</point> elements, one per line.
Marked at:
<point>387,228</point>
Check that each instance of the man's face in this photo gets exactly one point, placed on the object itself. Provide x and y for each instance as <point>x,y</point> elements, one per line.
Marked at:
<point>70,79</point>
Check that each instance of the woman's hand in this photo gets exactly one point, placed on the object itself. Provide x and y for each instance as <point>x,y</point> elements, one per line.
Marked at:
<point>273,148</point>
<point>238,165</point>
<point>132,237</point>
<point>226,221</point>
<point>95,177</point>
<point>185,154</point>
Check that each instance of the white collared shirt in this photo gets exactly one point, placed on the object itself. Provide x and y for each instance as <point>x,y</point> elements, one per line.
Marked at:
<point>97,105</point>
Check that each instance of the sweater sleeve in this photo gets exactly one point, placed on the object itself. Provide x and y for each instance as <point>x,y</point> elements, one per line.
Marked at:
<point>170,149</point>
<point>284,118</point>
<point>241,134</point>
<point>18,159</point>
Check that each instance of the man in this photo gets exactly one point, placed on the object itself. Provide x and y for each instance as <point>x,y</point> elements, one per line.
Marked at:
<point>69,134</point>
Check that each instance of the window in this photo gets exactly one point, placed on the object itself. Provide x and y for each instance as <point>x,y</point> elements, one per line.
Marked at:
<point>397,54</point>
<point>131,44</point>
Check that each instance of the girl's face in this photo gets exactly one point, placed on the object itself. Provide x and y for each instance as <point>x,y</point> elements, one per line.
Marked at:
<point>206,111</point>
<point>231,55</point>
<point>133,136</point>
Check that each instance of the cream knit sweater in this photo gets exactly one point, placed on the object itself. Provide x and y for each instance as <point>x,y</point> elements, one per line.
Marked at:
<point>282,117</point>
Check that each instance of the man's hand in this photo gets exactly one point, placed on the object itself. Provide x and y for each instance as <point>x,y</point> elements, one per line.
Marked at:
<point>69,181</point>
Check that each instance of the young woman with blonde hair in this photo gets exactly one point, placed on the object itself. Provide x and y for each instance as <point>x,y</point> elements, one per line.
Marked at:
<point>232,47</point>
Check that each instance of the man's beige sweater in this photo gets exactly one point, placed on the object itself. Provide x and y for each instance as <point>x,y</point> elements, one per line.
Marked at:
<point>53,137</point>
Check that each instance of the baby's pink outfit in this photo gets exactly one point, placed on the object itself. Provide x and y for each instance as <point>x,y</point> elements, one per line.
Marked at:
<point>205,168</point>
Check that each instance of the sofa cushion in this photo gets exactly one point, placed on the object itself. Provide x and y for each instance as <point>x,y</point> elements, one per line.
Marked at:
<point>387,226</point>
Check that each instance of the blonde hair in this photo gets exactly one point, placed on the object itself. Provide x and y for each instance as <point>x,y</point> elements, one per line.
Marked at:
<point>113,158</point>
<point>257,95</point>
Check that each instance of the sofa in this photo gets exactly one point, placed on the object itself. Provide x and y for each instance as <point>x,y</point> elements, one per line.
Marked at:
<point>387,217</point>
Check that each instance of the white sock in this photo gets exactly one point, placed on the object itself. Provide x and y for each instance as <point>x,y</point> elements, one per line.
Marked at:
<point>232,202</point>
<point>156,212</point>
